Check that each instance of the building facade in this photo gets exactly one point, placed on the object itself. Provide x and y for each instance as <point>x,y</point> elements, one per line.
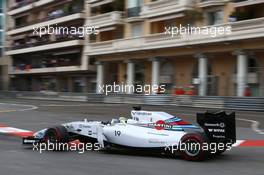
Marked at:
<point>52,61</point>
<point>135,45</point>
<point>2,24</point>
<point>4,80</point>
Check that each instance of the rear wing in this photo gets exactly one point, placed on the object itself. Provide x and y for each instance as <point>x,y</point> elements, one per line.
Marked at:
<point>218,126</point>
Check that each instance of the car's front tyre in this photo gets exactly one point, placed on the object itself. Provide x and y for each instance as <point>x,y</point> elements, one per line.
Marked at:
<point>57,135</point>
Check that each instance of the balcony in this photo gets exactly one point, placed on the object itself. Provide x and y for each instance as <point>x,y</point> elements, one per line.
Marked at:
<point>241,3</point>
<point>165,7</point>
<point>47,70</point>
<point>44,45</point>
<point>211,3</point>
<point>46,22</point>
<point>107,19</point>
<point>95,3</point>
<point>27,5</point>
<point>240,30</point>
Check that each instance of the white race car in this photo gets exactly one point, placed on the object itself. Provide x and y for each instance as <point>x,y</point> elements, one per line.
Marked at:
<point>148,130</point>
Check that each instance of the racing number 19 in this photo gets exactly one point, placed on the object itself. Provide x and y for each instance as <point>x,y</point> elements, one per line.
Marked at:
<point>117,133</point>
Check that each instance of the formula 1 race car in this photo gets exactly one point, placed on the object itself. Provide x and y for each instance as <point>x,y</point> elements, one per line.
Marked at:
<point>147,130</point>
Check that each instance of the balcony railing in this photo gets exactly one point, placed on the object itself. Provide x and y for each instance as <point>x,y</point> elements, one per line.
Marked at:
<point>42,63</point>
<point>238,0</point>
<point>29,70</point>
<point>44,42</point>
<point>46,23</point>
<point>240,3</point>
<point>50,17</point>
<point>26,67</point>
<point>107,19</point>
<point>23,3</point>
<point>44,45</point>
<point>26,5</point>
<point>95,3</point>
<point>240,30</point>
<point>207,3</point>
<point>164,7</point>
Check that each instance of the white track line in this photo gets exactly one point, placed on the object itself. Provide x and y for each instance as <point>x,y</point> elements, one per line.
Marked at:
<point>30,107</point>
<point>82,105</point>
<point>238,142</point>
<point>254,125</point>
<point>12,130</point>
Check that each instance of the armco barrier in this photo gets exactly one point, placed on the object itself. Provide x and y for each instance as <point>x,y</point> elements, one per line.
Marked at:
<point>44,95</point>
<point>217,102</point>
<point>244,103</point>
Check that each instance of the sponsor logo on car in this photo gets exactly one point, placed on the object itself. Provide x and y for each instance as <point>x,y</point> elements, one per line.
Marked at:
<point>160,125</point>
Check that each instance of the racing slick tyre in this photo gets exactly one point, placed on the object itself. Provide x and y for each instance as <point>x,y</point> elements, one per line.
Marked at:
<point>193,143</point>
<point>57,135</point>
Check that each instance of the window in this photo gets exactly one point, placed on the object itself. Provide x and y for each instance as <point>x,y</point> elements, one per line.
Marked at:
<point>134,7</point>
<point>135,3</point>
<point>136,29</point>
<point>1,38</point>
<point>1,22</point>
<point>252,65</point>
<point>78,84</point>
<point>1,6</point>
<point>21,21</point>
<point>215,17</point>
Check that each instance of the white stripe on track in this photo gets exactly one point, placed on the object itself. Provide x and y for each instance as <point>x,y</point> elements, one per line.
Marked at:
<point>11,130</point>
<point>254,125</point>
<point>238,142</point>
<point>81,105</point>
<point>29,107</point>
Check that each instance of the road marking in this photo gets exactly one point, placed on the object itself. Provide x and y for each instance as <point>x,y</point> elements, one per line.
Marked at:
<point>238,142</point>
<point>4,111</point>
<point>29,107</point>
<point>15,131</point>
<point>249,143</point>
<point>254,125</point>
<point>76,105</point>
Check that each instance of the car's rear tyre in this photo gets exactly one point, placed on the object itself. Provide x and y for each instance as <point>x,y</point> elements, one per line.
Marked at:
<point>191,147</point>
<point>57,135</point>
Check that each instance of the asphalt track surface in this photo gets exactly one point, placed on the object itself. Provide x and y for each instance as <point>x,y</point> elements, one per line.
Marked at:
<point>18,160</point>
